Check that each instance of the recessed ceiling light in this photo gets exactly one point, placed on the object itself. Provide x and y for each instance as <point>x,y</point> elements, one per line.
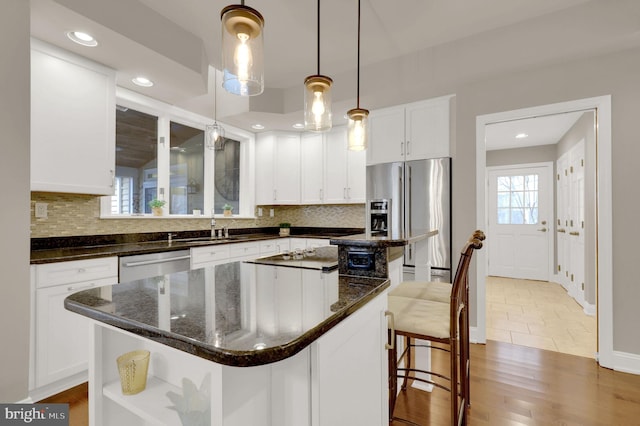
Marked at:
<point>257,126</point>
<point>82,38</point>
<point>298,126</point>
<point>142,81</point>
<point>522,136</point>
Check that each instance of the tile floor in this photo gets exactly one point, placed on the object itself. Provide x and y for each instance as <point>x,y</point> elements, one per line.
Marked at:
<point>538,314</point>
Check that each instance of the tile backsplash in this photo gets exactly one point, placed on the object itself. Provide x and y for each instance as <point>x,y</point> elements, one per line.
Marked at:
<point>77,214</point>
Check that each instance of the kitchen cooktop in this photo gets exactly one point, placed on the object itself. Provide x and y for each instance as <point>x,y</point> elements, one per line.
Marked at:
<point>320,258</point>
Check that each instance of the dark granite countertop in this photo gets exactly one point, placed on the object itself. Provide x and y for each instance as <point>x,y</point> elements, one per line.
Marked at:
<point>320,258</point>
<point>240,314</point>
<point>368,240</point>
<point>60,249</point>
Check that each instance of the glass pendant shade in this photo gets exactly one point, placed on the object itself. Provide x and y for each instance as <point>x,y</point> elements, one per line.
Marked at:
<point>317,103</point>
<point>358,129</point>
<point>242,50</point>
<point>215,136</point>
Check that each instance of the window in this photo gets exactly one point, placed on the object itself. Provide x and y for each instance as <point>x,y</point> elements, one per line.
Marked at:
<point>517,200</point>
<point>186,169</point>
<point>161,153</point>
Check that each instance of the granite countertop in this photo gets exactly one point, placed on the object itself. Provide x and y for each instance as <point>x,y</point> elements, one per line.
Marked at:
<point>320,258</point>
<point>368,240</point>
<point>236,314</point>
<point>60,249</point>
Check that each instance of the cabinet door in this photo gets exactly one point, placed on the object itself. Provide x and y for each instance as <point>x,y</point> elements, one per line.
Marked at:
<point>335,186</point>
<point>427,129</point>
<point>62,337</point>
<point>312,164</point>
<point>349,370</point>
<point>287,169</point>
<point>356,176</point>
<point>265,148</point>
<point>72,123</point>
<point>386,136</point>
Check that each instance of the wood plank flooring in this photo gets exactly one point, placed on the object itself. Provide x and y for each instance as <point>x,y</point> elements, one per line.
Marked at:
<point>517,385</point>
<point>510,385</point>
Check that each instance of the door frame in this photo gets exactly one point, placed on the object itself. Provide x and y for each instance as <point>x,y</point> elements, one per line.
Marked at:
<point>549,167</point>
<point>604,213</point>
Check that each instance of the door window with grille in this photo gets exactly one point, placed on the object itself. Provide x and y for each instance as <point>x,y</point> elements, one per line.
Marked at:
<point>517,198</point>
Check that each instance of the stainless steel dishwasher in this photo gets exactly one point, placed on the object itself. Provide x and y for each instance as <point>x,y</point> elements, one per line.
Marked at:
<point>151,265</point>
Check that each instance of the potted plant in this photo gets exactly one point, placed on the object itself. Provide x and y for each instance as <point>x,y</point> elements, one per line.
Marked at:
<point>227,208</point>
<point>156,206</point>
<point>285,229</point>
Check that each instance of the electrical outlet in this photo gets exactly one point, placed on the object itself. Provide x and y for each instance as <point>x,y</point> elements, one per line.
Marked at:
<point>41,210</point>
<point>272,212</point>
<point>259,211</point>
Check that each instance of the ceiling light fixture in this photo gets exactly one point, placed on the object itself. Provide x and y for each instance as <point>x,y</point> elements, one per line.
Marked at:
<point>82,38</point>
<point>242,50</point>
<point>317,97</point>
<point>298,126</point>
<point>522,136</point>
<point>357,133</point>
<point>142,81</point>
<point>215,132</point>
<point>257,127</point>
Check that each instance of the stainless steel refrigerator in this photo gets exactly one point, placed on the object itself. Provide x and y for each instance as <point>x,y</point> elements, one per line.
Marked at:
<point>420,199</point>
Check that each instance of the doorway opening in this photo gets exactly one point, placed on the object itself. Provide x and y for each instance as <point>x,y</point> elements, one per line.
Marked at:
<point>601,221</point>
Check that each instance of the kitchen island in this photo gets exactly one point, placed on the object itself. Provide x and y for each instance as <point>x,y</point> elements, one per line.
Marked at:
<point>262,344</point>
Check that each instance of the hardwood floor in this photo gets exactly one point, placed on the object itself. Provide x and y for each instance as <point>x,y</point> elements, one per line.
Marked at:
<point>517,385</point>
<point>510,385</point>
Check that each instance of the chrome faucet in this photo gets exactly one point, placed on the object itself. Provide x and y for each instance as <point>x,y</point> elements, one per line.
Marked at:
<point>213,226</point>
<point>170,237</point>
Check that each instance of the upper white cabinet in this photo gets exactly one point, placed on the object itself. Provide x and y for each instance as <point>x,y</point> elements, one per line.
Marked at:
<point>312,164</point>
<point>277,168</point>
<point>345,171</point>
<point>413,131</point>
<point>331,174</point>
<point>72,123</point>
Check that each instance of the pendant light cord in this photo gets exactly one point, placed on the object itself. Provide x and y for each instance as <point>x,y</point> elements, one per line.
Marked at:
<point>318,50</point>
<point>358,80</point>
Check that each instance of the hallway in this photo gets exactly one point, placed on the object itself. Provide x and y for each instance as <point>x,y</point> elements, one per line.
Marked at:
<point>538,314</point>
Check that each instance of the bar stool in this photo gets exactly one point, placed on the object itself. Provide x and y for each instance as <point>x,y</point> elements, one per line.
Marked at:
<point>435,321</point>
<point>438,291</point>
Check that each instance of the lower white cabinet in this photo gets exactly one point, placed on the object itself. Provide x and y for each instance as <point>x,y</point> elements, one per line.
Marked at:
<point>303,243</point>
<point>61,338</point>
<point>216,254</point>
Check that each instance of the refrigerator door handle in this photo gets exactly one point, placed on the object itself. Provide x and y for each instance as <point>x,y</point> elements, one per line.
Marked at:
<point>409,202</point>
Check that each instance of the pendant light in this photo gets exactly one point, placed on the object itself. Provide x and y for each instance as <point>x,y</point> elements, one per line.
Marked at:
<point>317,97</point>
<point>357,129</point>
<point>215,132</point>
<point>242,50</point>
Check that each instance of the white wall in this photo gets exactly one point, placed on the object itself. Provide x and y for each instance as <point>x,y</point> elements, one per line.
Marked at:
<point>14,215</point>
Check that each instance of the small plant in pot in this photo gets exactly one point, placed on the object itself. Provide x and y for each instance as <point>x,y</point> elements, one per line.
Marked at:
<point>227,209</point>
<point>156,206</point>
<point>285,229</point>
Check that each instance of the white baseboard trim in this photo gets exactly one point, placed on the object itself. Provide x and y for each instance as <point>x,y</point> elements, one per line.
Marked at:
<point>589,309</point>
<point>474,336</point>
<point>27,400</point>
<point>626,362</point>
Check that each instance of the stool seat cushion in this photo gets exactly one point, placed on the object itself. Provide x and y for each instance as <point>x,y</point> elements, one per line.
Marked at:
<point>419,316</point>
<point>428,290</point>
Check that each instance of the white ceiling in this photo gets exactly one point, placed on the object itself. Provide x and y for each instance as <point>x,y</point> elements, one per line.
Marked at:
<point>177,42</point>
<point>545,130</point>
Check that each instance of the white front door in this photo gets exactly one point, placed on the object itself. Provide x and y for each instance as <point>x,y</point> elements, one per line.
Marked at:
<point>520,220</point>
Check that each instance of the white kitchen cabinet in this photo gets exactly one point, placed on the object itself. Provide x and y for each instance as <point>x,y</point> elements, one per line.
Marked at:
<point>61,351</point>
<point>216,254</point>
<point>209,255</point>
<point>414,131</point>
<point>303,243</point>
<point>349,370</point>
<point>345,171</point>
<point>312,162</point>
<point>277,168</point>
<point>244,251</point>
<point>72,123</point>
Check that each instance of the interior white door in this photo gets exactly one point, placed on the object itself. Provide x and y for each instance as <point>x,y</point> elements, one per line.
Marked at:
<point>576,222</point>
<point>520,208</point>
<point>563,206</point>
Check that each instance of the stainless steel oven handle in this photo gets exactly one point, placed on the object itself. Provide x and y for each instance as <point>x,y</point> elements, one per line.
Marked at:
<point>154,261</point>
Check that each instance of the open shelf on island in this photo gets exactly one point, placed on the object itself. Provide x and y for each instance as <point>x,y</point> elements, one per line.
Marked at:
<point>145,404</point>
